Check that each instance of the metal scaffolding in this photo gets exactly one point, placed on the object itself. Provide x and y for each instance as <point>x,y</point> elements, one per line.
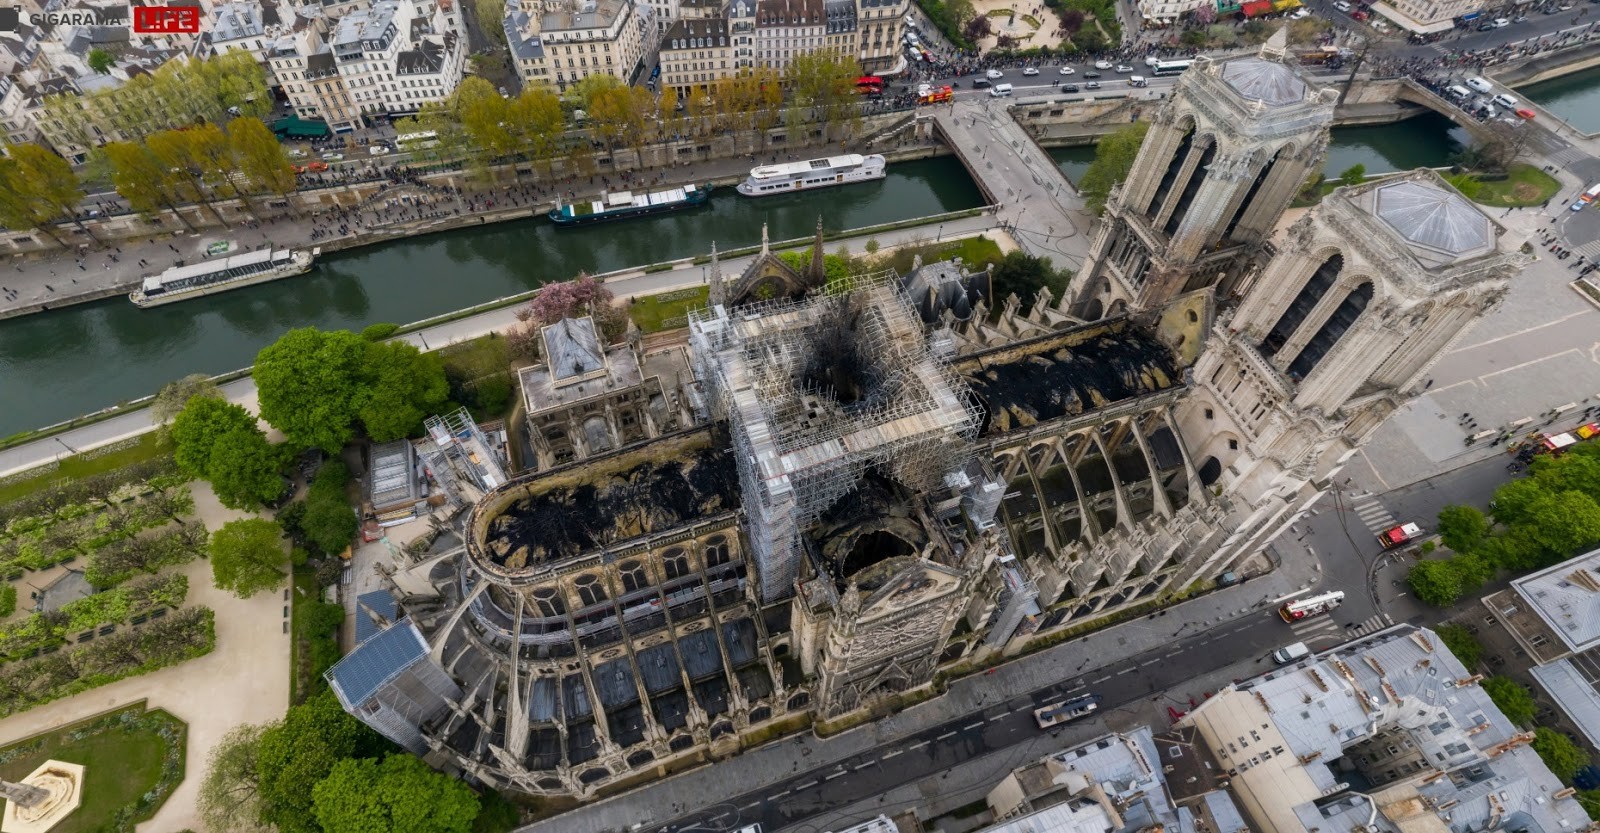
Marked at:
<point>775,370</point>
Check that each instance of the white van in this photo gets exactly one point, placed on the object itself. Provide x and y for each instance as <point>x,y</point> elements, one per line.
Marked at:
<point>1137,81</point>
<point>1458,92</point>
<point>1506,101</point>
<point>1000,90</point>
<point>1290,653</point>
<point>1479,84</point>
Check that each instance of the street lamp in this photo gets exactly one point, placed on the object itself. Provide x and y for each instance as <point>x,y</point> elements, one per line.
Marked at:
<point>941,233</point>
<point>64,445</point>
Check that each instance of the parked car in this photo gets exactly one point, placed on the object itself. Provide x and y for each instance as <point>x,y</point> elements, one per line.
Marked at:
<point>1091,74</point>
<point>1030,71</point>
<point>1065,71</point>
<point>1486,27</point>
<point>333,157</point>
<point>1299,14</point>
<point>1102,64</point>
<point>1525,113</point>
<point>1092,85</point>
<point>1124,68</point>
<point>994,74</point>
<point>1069,88</point>
<point>1479,85</point>
<point>979,82</point>
<point>1501,23</point>
<point>1343,6</point>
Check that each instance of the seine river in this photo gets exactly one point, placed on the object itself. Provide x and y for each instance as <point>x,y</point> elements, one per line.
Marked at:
<point>64,363</point>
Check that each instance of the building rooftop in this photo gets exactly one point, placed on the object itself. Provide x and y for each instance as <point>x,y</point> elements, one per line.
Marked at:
<point>1433,217</point>
<point>944,285</point>
<point>587,14</point>
<point>392,477</point>
<point>1067,374</point>
<point>1269,82</point>
<point>1567,598</point>
<point>237,20</point>
<point>601,501</point>
<point>367,24</point>
<point>364,670</point>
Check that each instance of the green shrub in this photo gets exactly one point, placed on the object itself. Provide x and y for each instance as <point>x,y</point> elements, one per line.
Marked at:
<point>8,600</point>
<point>379,332</point>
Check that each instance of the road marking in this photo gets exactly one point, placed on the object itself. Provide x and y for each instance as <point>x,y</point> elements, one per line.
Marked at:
<point>831,776</point>
<point>1126,671</point>
<point>999,717</point>
<point>978,725</point>
<point>1150,663</point>
<point>748,806</point>
<point>859,767</point>
<point>782,794</point>
<point>919,745</point>
<point>946,735</point>
<point>1100,679</point>
<point>1171,655</point>
<point>892,754</point>
<point>719,817</point>
<point>806,786</point>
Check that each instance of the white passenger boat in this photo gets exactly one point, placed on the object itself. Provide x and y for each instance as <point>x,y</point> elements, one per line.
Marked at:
<point>813,173</point>
<point>208,277</point>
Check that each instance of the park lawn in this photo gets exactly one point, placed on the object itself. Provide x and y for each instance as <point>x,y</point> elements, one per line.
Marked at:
<point>119,767</point>
<point>477,357</point>
<point>148,446</point>
<point>1525,186</point>
<point>975,253</point>
<point>652,315</point>
<point>303,588</point>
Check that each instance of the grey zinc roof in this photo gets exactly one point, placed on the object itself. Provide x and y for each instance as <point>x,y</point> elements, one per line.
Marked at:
<point>1435,218</point>
<point>1573,692</point>
<point>572,347</point>
<point>1567,598</point>
<point>1266,81</point>
<point>364,670</point>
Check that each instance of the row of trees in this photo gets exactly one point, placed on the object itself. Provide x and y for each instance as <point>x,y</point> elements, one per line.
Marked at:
<point>180,93</point>
<point>320,771</point>
<point>480,126</point>
<point>1540,520</point>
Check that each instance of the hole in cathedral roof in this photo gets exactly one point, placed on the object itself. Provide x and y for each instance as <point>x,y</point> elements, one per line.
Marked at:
<point>840,362</point>
<point>658,485</point>
<point>1067,374</point>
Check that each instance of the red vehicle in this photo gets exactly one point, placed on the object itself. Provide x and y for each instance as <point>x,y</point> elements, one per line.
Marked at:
<point>869,84</point>
<point>1310,606</point>
<point>313,168</point>
<point>1394,537</point>
<point>1525,113</point>
<point>935,96</point>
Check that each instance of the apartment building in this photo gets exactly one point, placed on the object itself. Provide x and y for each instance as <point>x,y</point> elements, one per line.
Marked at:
<point>1426,17</point>
<point>695,54</point>
<point>787,28</point>
<point>243,25</point>
<point>569,42</point>
<point>880,23</point>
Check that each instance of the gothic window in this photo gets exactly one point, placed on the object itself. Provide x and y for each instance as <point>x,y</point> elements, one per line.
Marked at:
<point>1332,330</point>
<point>1197,177</point>
<point>590,589</point>
<point>676,562</point>
<point>1250,196</point>
<point>1174,166</point>
<point>716,551</point>
<point>549,602</point>
<point>633,576</point>
<point>1306,300</point>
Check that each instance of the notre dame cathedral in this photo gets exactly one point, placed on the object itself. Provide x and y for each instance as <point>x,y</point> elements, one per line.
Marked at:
<point>821,493</point>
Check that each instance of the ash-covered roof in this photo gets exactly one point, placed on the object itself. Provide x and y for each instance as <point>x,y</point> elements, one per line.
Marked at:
<point>1067,374</point>
<point>1266,81</point>
<point>600,501</point>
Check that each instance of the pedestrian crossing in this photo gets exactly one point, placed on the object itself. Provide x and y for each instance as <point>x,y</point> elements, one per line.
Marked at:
<point>1327,629</point>
<point>1373,514</point>
<point>1590,249</point>
<point>1569,156</point>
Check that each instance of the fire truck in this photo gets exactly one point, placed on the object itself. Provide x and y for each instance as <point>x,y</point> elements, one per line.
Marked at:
<point>935,96</point>
<point>1297,609</point>
<point>1395,536</point>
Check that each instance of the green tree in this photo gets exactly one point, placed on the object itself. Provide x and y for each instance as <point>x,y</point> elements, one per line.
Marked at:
<point>1113,158</point>
<point>328,522</point>
<point>229,798</point>
<point>299,751</point>
<point>100,60</point>
<point>1024,275</point>
<point>1590,799</point>
<point>248,556</point>
<point>1462,527</point>
<point>1462,643</point>
<point>37,189</point>
<point>1435,582</point>
<point>307,382</point>
<point>581,94</point>
<point>399,386</point>
<point>261,158</point>
<point>538,123</point>
<point>1559,753</point>
<point>142,180</point>
<point>484,115</point>
<point>1511,698</point>
<point>219,441</point>
<point>191,158</point>
<point>398,793</point>
<point>1466,183</point>
<point>1353,175</point>
<point>1563,523</point>
<point>173,396</point>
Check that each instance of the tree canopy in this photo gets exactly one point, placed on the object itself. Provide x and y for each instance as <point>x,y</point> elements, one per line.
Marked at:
<point>220,442</point>
<point>1462,527</point>
<point>230,794</point>
<point>362,795</point>
<point>1462,643</point>
<point>248,556</point>
<point>299,751</point>
<point>1511,698</point>
<point>318,387</point>
<point>1113,158</point>
<point>1024,274</point>
<point>173,396</point>
<point>1559,753</point>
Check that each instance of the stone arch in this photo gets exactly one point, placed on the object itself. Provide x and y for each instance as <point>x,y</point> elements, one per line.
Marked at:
<point>1210,469</point>
<point>1118,307</point>
<point>1207,146</point>
<point>594,775</point>
<point>1345,315</point>
<point>1284,153</point>
<point>1094,310</point>
<point>675,563</point>
<point>720,728</point>
<point>591,589</point>
<point>760,713</point>
<point>1323,277</point>
<point>640,758</point>
<point>799,701</point>
<point>680,743</point>
<point>1185,126</point>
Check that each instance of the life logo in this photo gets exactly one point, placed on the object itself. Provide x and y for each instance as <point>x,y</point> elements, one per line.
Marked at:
<point>146,20</point>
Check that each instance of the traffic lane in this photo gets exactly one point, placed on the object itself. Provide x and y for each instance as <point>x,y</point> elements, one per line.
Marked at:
<point>996,727</point>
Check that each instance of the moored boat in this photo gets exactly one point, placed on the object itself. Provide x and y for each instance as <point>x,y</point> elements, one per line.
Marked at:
<point>617,205</point>
<point>788,177</point>
<point>209,277</point>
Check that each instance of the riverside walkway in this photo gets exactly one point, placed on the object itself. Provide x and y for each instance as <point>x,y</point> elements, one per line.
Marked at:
<point>624,285</point>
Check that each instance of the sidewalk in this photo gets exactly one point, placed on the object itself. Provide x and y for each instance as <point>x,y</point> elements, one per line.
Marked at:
<point>757,769</point>
<point>626,284</point>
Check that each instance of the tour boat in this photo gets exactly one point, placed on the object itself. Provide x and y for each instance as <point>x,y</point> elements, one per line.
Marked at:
<point>813,173</point>
<point>617,205</point>
<point>209,277</point>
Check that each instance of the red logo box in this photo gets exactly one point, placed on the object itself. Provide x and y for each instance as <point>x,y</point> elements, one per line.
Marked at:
<point>166,20</point>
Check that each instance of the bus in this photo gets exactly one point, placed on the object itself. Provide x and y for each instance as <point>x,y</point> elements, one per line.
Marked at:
<point>1592,194</point>
<point>416,141</point>
<point>869,84</point>
<point>1065,710</point>
<point>1163,68</point>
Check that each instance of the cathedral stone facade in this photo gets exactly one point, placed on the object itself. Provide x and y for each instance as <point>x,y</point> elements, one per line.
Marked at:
<point>858,483</point>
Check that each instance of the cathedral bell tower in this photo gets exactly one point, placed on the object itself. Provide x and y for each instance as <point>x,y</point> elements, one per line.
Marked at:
<point>1223,158</point>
